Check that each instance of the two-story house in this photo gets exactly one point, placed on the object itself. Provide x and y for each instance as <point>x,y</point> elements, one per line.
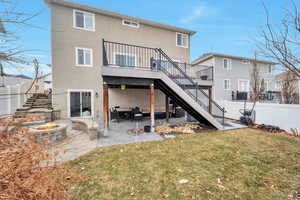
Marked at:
<point>102,59</point>
<point>232,75</point>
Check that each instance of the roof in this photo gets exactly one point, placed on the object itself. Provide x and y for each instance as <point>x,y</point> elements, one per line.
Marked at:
<point>207,56</point>
<point>13,80</point>
<point>118,15</point>
<point>284,74</point>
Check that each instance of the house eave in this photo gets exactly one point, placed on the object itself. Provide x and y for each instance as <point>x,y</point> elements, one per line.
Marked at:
<point>118,15</point>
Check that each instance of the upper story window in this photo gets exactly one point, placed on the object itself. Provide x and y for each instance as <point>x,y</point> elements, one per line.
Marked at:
<point>227,63</point>
<point>246,62</point>
<point>127,22</point>
<point>270,69</point>
<point>84,20</point>
<point>125,60</point>
<point>84,57</point>
<point>182,40</point>
<point>278,84</point>
<point>227,84</point>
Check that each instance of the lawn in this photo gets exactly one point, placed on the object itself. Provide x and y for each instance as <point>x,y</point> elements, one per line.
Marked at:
<point>241,164</point>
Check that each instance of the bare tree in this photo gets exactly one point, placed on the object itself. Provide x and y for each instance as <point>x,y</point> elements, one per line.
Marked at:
<point>288,88</point>
<point>12,21</point>
<point>255,80</point>
<point>281,41</point>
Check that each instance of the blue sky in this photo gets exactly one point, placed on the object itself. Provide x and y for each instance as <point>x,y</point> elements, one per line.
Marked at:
<point>223,26</point>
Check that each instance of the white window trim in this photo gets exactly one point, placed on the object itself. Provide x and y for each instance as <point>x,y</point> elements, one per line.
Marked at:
<point>228,62</point>
<point>124,54</point>
<point>84,12</point>
<point>76,57</point>
<point>267,82</point>
<point>187,43</point>
<point>248,85</point>
<point>123,22</point>
<point>246,62</point>
<point>69,103</point>
<point>229,81</point>
<point>278,84</point>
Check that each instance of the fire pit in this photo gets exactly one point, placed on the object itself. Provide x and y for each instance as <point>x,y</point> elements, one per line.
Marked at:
<point>51,131</point>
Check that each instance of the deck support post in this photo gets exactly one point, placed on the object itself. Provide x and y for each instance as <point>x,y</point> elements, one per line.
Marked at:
<point>167,108</point>
<point>105,106</point>
<point>152,106</point>
<point>210,99</point>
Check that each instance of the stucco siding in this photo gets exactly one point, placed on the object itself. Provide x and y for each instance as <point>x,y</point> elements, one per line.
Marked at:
<point>65,38</point>
<point>129,98</point>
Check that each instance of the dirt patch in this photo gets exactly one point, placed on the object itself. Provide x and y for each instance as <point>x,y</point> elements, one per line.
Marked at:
<point>186,128</point>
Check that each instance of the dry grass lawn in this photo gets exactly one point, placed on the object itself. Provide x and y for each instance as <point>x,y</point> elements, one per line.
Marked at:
<point>242,164</point>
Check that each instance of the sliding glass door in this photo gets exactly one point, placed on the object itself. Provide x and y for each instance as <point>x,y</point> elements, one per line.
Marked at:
<point>80,104</point>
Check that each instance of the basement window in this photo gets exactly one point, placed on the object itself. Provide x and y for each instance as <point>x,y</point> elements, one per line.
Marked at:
<point>130,23</point>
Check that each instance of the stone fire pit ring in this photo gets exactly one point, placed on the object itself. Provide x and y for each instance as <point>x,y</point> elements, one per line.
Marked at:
<point>55,133</point>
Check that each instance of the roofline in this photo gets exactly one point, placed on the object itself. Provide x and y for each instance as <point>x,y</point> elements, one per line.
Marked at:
<point>118,15</point>
<point>211,55</point>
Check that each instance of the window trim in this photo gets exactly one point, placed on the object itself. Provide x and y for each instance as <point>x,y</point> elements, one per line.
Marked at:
<point>84,12</point>
<point>278,84</point>
<point>248,85</point>
<point>228,62</point>
<point>123,23</point>
<point>124,54</point>
<point>69,103</point>
<point>229,85</point>
<point>76,57</point>
<point>187,43</point>
<point>246,62</point>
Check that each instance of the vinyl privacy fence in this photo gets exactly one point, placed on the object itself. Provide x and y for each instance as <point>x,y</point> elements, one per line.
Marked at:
<point>286,116</point>
<point>11,98</point>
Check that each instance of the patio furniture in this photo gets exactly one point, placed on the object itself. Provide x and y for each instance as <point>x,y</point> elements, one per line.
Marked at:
<point>136,114</point>
<point>124,113</point>
<point>114,114</point>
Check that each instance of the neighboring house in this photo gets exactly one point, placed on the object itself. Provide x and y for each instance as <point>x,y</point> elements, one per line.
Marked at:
<point>95,49</point>
<point>288,85</point>
<point>232,75</point>
<point>12,92</point>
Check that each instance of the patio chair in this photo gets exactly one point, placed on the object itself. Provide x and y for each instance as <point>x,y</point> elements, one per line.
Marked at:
<point>136,114</point>
<point>114,114</point>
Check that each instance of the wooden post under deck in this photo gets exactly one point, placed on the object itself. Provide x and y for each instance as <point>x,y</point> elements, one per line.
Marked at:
<point>210,99</point>
<point>167,108</point>
<point>105,106</point>
<point>152,106</point>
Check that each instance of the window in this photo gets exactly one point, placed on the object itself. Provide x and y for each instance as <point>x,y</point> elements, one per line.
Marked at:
<point>264,85</point>
<point>84,20</point>
<point>270,69</point>
<point>243,86</point>
<point>227,63</point>
<point>84,57</point>
<point>130,23</point>
<point>182,40</point>
<point>80,103</point>
<point>227,84</point>
<point>278,85</point>
<point>125,60</point>
<point>246,62</point>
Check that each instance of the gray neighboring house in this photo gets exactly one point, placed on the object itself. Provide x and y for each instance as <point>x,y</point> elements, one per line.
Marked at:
<point>295,85</point>
<point>94,49</point>
<point>231,75</point>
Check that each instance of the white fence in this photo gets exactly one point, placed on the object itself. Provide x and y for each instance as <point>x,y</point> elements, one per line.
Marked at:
<point>285,116</point>
<point>10,99</point>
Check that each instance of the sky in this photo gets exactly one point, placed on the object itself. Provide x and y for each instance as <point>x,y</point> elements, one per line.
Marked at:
<point>223,26</point>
